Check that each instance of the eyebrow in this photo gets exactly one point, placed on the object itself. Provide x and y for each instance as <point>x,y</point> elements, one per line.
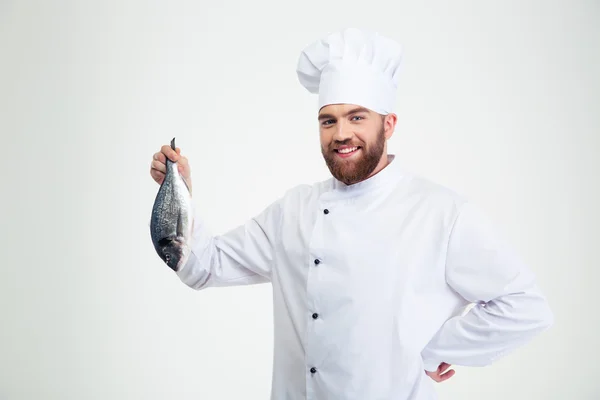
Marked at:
<point>353,111</point>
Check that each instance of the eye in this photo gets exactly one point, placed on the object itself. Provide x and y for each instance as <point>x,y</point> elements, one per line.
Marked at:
<point>358,116</point>
<point>327,121</point>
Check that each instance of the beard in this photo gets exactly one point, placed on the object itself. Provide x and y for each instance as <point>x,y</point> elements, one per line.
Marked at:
<point>355,169</point>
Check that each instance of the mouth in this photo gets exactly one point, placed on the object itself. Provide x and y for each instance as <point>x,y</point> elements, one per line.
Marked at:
<point>347,151</point>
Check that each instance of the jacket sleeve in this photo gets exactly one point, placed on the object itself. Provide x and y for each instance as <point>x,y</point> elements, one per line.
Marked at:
<point>242,256</point>
<point>509,307</point>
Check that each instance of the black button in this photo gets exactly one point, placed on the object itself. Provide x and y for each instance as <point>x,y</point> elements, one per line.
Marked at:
<point>326,211</point>
<point>317,261</point>
<point>315,316</point>
<point>313,370</point>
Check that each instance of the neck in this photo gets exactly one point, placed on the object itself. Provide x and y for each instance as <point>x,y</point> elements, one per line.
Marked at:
<point>386,172</point>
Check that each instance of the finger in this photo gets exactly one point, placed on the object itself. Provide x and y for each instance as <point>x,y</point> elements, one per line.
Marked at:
<point>157,175</point>
<point>449,372</point>
<point>447,375</point>
<point>183,170</point>
<point>183,160</point>
<point>158,166</point>
<point>160,157</point>
<point>170,153</point>
<point>443,367</point>
<point>183,163</point>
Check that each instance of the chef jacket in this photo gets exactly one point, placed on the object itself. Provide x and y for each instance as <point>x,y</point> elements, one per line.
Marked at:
<point>371,283</point>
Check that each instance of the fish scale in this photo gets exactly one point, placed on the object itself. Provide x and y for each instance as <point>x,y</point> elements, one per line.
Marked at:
<point>171,220</point>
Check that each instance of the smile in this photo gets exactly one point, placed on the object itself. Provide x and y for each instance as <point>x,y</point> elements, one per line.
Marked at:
<point>347,151</point>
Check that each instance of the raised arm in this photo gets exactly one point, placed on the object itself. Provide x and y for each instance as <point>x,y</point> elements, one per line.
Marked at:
<point>510,308</point>
<point>242,256</point>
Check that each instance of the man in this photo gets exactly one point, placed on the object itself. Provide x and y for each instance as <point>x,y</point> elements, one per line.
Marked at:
<point>371,269</point>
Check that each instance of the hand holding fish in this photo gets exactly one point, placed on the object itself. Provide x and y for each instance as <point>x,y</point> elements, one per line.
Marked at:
<point>171,223</point>
<point>158,167</point>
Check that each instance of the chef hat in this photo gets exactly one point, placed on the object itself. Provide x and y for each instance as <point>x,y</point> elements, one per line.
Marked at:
<point>352,66</point>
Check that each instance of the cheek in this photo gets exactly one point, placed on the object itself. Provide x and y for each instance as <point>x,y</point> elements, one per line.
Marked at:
<point>325,139</point>
<point>363,133</point>
<point>363,138</point>
<point>367,135</point>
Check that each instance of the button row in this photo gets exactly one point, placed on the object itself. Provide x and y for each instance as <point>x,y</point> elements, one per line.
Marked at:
<point>316,315</point>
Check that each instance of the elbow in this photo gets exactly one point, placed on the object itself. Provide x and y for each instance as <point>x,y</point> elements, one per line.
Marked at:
<point>543,312</point>
<point>537,310</point>
<point>193,273</point>
<point>531,312</point>
<point>540,315</point>
<point>546,316</point>
<point>198,281</point>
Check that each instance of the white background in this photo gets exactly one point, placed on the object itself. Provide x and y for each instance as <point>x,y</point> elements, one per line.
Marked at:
<point>498,100</point>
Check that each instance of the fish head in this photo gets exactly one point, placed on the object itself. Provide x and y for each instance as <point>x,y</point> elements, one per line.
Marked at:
<point>172,252</point>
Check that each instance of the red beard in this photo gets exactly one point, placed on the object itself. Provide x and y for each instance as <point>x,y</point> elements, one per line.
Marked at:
<point>358,167</point>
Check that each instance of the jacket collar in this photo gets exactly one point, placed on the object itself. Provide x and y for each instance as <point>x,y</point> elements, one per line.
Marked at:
<point>388,175</point>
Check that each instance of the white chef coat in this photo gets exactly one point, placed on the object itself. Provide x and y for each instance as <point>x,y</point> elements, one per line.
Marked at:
<point>370,282</point>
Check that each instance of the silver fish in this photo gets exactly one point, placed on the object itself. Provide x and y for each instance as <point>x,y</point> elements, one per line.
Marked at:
<point>171,223</point>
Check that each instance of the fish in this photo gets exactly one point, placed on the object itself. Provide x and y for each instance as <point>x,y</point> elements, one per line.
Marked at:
<point>171,222</point>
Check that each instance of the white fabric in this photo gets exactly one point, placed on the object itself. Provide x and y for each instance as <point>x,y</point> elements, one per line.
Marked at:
<point>352,66</point>
<point>400,259</point>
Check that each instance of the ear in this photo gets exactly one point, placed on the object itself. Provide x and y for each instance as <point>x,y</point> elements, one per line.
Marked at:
<point>389,124</point>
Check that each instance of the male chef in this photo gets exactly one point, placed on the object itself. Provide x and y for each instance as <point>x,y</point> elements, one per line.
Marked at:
<point>371,269</point>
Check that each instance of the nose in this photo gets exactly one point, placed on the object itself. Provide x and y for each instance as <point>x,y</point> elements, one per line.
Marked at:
<point>342,132</point>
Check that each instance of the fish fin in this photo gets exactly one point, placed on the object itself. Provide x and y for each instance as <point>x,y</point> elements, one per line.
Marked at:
<point>173,143</point>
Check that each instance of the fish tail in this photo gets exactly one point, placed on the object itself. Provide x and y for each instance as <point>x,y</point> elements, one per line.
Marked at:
<point>173,143</point>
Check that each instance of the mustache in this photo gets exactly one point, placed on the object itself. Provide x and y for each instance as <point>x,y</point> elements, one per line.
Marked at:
<point>337,143</point>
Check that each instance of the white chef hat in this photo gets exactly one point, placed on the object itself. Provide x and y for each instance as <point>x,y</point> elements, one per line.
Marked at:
<point>352,66</point>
